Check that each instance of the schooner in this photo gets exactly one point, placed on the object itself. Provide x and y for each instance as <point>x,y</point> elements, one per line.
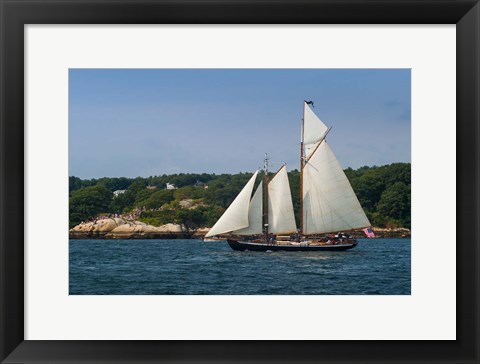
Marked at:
<point>328,204</point>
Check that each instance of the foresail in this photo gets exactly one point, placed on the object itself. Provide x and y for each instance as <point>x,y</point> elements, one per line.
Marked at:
<point>236,216</point>
<point>313,130</point>
<point>254,214</point>
<point>281,219</point>
<point>329,202</point>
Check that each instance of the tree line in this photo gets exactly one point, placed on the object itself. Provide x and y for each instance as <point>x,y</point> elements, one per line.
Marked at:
<point>383,191</point>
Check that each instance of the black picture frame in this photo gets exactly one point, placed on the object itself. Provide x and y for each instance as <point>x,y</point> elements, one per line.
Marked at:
<point>15,14</point>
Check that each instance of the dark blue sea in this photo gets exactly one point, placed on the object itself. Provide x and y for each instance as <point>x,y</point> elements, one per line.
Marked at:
<point>193,267</point>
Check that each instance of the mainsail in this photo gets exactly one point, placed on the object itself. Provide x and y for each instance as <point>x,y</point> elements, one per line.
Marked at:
<point>329,202</point>
<point>281,219</point>
<point>255,211</point>
<point>236,216</point>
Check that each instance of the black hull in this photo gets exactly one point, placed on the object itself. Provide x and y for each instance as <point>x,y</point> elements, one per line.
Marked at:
<point>262,247</point>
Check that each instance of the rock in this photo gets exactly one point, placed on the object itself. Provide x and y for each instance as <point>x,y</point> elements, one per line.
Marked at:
<point>123,229</point>
<point>85,227</point>
<point>105,225</point>
<point>186,204</point>
<point>203,230</point>
<point>200,233</point>
<point>171,228</point>
<point>117,228</point>
<point>144,228</point>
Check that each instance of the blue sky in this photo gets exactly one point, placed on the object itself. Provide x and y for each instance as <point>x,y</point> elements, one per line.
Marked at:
<point>145,122</point>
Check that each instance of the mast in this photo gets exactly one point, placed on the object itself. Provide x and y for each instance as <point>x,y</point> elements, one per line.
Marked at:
<point>301,173</point>
<point>265,168</point>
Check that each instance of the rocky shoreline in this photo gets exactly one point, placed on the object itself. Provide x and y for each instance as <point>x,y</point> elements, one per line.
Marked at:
<point>119,228</point>
<point>390,233</point>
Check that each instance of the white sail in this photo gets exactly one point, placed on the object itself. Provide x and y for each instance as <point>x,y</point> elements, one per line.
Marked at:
<point>255,212</point>
<point>329,203</point>
<point>313,130</point>
<point>281,219</point>
<point>236,216</point>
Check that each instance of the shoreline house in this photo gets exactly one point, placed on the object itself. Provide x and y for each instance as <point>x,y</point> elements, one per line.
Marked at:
<point>171,186</point>
<point>118,192</point>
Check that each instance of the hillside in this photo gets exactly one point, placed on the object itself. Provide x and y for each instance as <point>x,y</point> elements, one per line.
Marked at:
<point>198,200</point>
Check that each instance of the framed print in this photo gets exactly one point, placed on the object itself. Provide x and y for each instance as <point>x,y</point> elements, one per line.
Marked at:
<point>155,114</point>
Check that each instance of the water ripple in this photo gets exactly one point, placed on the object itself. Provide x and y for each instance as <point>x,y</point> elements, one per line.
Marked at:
<point>162,267</point>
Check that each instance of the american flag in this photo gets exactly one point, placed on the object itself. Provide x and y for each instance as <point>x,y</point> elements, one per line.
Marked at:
<point>369,233</point>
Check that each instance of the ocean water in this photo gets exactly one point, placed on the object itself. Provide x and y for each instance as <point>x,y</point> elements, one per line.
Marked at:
<point>192,267</point>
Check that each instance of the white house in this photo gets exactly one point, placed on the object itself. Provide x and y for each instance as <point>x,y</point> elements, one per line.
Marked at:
<point>118,192</point>
<point>171,186</point>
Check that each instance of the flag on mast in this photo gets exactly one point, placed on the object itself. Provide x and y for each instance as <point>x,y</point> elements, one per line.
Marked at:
<point>369,233</point>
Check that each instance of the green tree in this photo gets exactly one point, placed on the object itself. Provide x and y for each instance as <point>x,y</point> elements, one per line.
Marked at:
<point>369,188</point>
<point>394,205</point>
<point>114,184</point>
<point>294,180</point>
<point>138,184</point>
<point>75,183</point>
<point>191,219</point>
<point>158,218</point>
<point>88,202</point>
<point>123,202</point>
<point>212,214</point>
<point>397,172</point>
<point>189,192</point>
<point>157,199</point>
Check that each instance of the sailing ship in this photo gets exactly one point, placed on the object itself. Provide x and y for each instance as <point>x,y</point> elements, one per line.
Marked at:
<point>328,204</point>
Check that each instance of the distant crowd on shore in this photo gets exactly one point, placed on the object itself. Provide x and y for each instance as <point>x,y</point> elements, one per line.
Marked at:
<point>133,215</point>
